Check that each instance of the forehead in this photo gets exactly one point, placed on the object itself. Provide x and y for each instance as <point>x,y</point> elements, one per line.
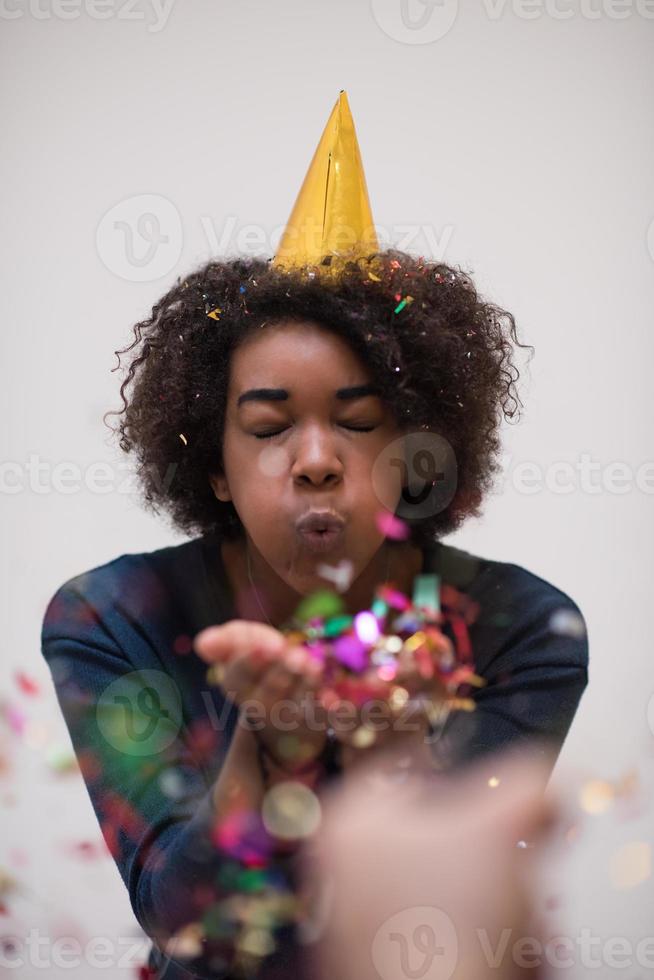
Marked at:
<point>299,350</point>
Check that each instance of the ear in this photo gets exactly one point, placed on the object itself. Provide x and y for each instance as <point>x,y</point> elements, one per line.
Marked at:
<point>220,487</point>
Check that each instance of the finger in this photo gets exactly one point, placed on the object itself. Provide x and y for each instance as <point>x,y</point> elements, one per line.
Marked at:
<point>284,673</point>
<point>236,637</point>
<point>286,704</point>
<point>312,714</point>
<point>274,683</point>
<point>272,708</point>
<point>239,676</point>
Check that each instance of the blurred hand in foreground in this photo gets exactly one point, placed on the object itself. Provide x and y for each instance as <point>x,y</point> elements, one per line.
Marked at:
<point>425,879</point>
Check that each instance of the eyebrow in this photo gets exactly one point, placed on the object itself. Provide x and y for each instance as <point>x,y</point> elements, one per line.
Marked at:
<point>281,394</point>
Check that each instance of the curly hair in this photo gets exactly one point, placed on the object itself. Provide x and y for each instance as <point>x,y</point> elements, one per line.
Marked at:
<point>440,355</point>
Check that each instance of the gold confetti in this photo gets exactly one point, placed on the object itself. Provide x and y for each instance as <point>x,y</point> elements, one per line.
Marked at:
<point>183,438</point>
<point>631,864</point>
<point>462,704</point>
<point>398,698</point>
<point>290,810</point>
<point>216,674</point>
<point>61,759</point>
<point>415,641</point>
<point>186,942</point>
<point>596,796</point>
<point>8,884</point>
<point>256,942</point>
<point>363,737</point>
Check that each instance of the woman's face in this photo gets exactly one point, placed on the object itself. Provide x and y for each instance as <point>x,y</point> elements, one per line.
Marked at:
<point>290,445</point>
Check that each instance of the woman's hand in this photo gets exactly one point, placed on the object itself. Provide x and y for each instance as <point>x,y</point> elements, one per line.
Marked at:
<point>400,716</point>
<point>274,684</point>
<point>278,685</point>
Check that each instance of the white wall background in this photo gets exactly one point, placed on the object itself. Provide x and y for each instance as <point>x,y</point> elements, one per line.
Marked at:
<point>519,135</point>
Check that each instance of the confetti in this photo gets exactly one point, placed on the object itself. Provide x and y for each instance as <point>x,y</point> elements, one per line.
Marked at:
<point>183,438</point>
<point>320,603</point>
<point>351,652</point>
<point>186,943</point>
<point>8,884</point>
<point>341,574</point>
<point>596,796</point>
<point>291,810</point>
<point>26,683</point>
<point>61,759</point>
<point>363,737</point>
<point>366,627</point>
<point>182,644</point>
<point>15,718</point>
<point>391,526</point>
<point>567,622</point>
<point>405,302</point>
<point>631,865</point>
<point>171,784</point>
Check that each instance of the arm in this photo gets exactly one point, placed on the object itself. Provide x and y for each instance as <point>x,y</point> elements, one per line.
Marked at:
<point>535,668</point>
<point>156,808</point>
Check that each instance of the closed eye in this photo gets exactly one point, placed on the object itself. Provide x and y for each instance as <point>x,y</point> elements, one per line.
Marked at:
<point>278,432</point>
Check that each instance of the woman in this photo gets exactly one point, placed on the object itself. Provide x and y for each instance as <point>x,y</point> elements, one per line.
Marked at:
<point>274,415</point>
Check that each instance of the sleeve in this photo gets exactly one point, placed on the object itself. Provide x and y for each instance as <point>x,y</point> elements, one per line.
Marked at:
<point>153,801</point>
<point>533,655</point>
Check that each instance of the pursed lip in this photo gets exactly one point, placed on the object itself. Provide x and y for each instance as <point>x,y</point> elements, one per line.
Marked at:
<point>320,520</point>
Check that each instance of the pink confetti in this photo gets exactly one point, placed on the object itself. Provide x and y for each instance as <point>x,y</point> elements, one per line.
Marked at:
<point>182,644</point>
<point>391,526</point>
<point>18,857</point>
<point>394,598</point>
<point>351,652</point>
<point>26,683</point>
<point>366,627</point>
<point>16,719</point>
<point>88,850</point>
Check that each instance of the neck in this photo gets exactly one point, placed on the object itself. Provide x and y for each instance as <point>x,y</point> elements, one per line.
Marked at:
<point>271,599</point>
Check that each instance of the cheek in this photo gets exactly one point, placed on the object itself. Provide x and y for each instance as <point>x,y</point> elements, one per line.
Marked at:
<point>388,473</point>
<point>251,463</point>
<point>258,478</point>
<point>271,463</point>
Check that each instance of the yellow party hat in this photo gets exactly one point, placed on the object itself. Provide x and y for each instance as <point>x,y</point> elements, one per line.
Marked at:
<point>331,218</point>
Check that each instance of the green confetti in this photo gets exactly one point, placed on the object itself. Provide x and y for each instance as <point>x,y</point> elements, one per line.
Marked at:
<point>426,593</point>
<point>379,608</point>
<point>60,758</point>
<point>322,603</point>
<point>216,923</point>
<point>252,880</point>
<point>337,625</point>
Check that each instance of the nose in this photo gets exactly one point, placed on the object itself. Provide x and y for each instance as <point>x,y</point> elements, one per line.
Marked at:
<point>316,460</point>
